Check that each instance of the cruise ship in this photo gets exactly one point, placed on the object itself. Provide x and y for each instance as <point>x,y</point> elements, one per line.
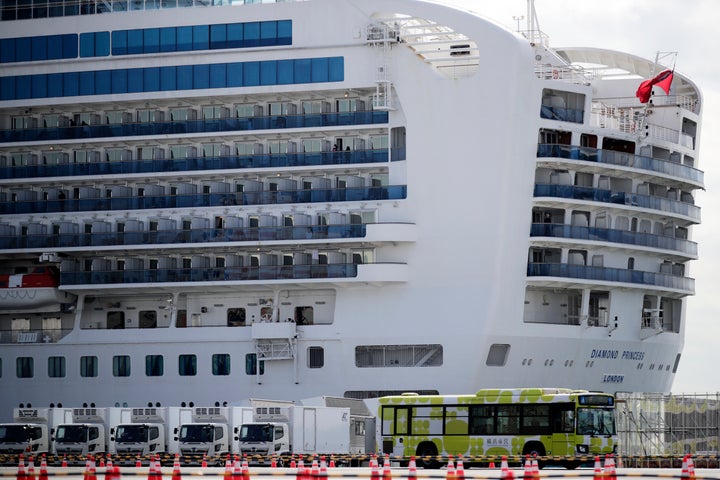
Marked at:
<point>205,202</point>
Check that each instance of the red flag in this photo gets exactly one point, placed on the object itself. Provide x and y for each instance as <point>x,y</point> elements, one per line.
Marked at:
<point>662,80</point>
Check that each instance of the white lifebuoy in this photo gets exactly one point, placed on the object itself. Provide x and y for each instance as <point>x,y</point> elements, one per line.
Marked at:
<point>556,74</point>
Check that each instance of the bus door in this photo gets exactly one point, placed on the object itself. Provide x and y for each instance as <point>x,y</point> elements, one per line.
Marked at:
<point>396,424</point>
<point>563,428</point>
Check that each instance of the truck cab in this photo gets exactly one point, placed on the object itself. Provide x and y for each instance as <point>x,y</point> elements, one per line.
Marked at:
<point>264,439</point>
<point>139,439</point>
<point>28,433</point>
<point>84,434</point>
<point>203,438</point>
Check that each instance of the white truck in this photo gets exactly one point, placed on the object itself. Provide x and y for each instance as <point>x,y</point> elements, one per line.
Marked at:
<point>144,431</point>
<point>30,431</point>
<point>211,431</point>
<point>284,428</point>
<point>83,433</point>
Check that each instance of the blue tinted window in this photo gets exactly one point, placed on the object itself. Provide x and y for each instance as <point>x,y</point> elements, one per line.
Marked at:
<point>119,42</point>
<point>134,42</point>
<point>218,75</point>
<point>151,79</point>
<point>39,86</point>
<point>201,37</point>
<point>71,9</point>
<point>218,36</point>
<point>302,70</point>
<point>39,48</point>
<point>22,49</point>
<point>268,73</point>
<point>119,81</point>
<point>337,69</point>
<point>7,88</point>
<point>87,45</point>
<point>152,40</point>
<point>87,83</point>
<point>184,77</point>
<point>251,74</point>
<point>167,39</point>
<point>55,43</point>
<point>55,85</point>
<point>102,82</point>
<point>285,72</point>
<point>201,76</point>
<point>168,78</point>
<point>102,44</point>
<point>70,46</point>
<point>135,80</point>
<point>22,87</point>
<point>7,50</point>
<point>234,35</point>
<point>184,39</point>
<point>251,34</point>
<point>268,33</point>
<point>71,81</point>
<point>235,75</point>
<point>284,32</point>
<point>319,70</point>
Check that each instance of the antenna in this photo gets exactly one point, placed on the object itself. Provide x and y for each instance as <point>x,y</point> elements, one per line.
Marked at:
<point>533,24</point>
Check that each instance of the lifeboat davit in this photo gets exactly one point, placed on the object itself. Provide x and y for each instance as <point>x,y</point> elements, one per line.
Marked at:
<point>33,291</point>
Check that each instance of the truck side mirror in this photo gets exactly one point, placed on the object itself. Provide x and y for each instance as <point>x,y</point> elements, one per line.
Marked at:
<point>112,431</point>
<point>175,430</point>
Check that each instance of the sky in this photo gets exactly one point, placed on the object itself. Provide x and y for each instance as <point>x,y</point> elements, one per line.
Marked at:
<point>643,28</point>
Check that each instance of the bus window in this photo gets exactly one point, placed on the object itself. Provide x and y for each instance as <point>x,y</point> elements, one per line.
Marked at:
<point>482,420</point>
<point>563,418</point>
<point>508,419</point>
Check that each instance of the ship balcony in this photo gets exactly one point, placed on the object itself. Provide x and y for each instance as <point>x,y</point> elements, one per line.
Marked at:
<point>211,237</point>
<point>565,275</point>
<point>209,126</point>
<point>320,195</point>
<point>664,205</point>
<point>679,246</point>
<point>230,162</point>
<point>29,337</point>
<point>209,278</point>
<point>692,176</point>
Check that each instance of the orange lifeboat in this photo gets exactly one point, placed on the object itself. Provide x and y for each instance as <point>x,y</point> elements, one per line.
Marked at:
<point>33,291</point>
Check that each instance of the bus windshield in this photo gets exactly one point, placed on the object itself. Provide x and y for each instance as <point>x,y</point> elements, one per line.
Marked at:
<point>595,421</point>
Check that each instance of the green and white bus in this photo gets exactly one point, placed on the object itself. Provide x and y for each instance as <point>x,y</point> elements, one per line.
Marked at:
<point>569,425</point>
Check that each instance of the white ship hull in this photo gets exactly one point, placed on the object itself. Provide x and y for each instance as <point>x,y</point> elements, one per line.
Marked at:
<point>488,215</point>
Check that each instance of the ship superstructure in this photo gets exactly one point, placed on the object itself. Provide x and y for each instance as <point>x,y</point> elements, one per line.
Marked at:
<point>249,200</point>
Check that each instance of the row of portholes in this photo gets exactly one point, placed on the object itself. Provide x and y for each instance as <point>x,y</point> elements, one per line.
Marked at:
<point>590,363</point>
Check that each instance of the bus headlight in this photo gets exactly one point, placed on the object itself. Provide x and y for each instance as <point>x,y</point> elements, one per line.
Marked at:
<point>582,448</point>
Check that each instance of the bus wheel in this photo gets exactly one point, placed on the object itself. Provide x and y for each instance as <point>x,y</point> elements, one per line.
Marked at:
<point>535,449</point>
<point>427,455</point>
<point>572,464</point>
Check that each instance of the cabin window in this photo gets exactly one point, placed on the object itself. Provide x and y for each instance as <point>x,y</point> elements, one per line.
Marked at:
<point>88,366</point>
<point>221,364</point>
<point>497,355</point>
<point>56,367</point>
<point>236,317</point>
<point>147,319</point>
<point>181,321</point>
<point>115,320</point>
<point>25,367</point>
<point>121,366</point>
<point>251,364</point>
<point>187,365</point>
<point>373,356</point>
<point>154,365</point>
<point>316,357</point>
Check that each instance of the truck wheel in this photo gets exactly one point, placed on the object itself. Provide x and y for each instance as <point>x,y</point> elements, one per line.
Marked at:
<point>426,454</point>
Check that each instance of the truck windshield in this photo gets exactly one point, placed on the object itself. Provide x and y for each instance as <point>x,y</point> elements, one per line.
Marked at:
<point>595,421</point>
<point>19,433</point>
<point>132,433</point>
<point>71,433</point>
<point>256,433</point>
<point>196,433</point>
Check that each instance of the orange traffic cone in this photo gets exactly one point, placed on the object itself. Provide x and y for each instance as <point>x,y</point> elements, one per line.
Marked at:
<point>504,469</point>
<point>412,469</point>
<point>21,469</point>
<point>374,472</point>
<point>685,473</point>
<point>332,462</point>
<point>691,467</point>
<point>597,470</point>
<point>528,471</point>
<point>176,475</point>
<point>535,468</point>
<point>203,464</point>
<point>609,468</point>
<point>460,469</point>
<point>387,473</point>
<point>64,461</point>
<point>491,464</point>
<point>30,468</point>
<point>450,469</point>
<point>323,467</point>
<point>43,469</point>
<point>292,462</point>
<point>245,469</point>
<point>138,462</point>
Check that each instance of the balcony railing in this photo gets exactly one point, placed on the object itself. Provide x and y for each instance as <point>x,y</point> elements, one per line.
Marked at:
<point>557,230</point>
<point>199,163</point>
<point>199,235</point>
<point>621,198</point>
<point>84,132</point>
<point>204,274</point>
<point>610,157</point>
<point>198,200</point>
<point>606,274</point>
